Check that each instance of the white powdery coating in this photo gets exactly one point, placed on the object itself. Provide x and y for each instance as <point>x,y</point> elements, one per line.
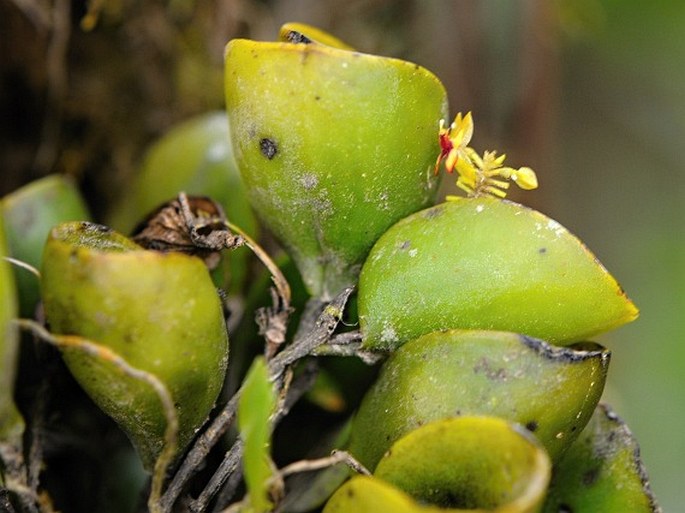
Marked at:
<point>388,334</point>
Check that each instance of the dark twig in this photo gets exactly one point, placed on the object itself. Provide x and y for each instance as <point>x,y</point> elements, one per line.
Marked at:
<point>317,464</point>
<point>273,320</point>
<point>5,504</point>
<point>229,464</point>
<point>322,330</point>
<point>15,479</point>
<point>320,333</point>
<point>104,353</point>
<point>349,344</point>
<point>292,392</point>
<point>228,491</point>
<point>35,466</point>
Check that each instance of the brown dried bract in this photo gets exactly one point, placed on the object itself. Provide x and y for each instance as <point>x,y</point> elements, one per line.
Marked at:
<point>195,225</point>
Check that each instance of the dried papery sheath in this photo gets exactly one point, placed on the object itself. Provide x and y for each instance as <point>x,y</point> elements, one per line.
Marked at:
<point>195,225</point>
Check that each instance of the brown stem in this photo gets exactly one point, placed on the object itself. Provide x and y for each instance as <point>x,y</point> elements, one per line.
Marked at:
<point>320,333</point>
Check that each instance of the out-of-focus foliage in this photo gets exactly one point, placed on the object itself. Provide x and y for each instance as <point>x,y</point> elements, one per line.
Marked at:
<point>622,181</point>
<point>30,213</point>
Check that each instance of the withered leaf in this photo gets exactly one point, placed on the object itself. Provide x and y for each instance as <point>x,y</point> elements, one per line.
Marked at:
<point>195,225</point>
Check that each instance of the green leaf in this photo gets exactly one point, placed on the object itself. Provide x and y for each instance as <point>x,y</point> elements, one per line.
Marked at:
<point>159,311</point>
<point>551,390</point>
<point>334,146</point>
<point>602,471</point>
<point>484,263</point>
<point>256,405</point>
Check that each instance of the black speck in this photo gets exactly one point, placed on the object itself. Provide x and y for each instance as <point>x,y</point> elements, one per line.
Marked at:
<point>542,251</point>
<point>532,426</point>
<point>405,244</point>
<point>317,97</point>
<point>297,37</point>
<point>590,477</point>
<point>565,508</point>
<point>268,148</point>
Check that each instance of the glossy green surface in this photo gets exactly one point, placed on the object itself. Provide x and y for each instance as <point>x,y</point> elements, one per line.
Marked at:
<point>30,213</point>
<point>334,146</point>
<point>11,422</point>
<point>160,312</point>
<point>550,390</point>
<point>484,263</point>
<point>602,471</point>
<point>470,463</point>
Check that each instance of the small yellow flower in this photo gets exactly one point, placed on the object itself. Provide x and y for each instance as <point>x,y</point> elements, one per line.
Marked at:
<point>478,176</point>
<point>453,141</point>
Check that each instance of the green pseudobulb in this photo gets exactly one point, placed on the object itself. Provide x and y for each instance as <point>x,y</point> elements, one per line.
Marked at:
<point>458,464</point>
<point>550,390</point>
<point>333,145</point>
<point>484,263</point>
<point>159,311</point>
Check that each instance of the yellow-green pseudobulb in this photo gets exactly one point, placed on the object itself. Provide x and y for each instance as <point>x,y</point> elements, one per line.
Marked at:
<point>158,311</point>
<point>333,145</point>
<point>550,390</point>
<point>485,263</point>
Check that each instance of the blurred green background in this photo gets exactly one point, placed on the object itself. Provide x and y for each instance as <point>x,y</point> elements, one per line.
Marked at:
<point>590,93</point>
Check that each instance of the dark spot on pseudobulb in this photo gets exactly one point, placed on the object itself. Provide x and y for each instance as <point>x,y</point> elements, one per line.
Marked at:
<point>268,148</point>
<point>532,426</point>
<point>590,477</point>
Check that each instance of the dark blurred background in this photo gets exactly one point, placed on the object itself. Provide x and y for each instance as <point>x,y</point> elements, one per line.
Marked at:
<point>590,93</point>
